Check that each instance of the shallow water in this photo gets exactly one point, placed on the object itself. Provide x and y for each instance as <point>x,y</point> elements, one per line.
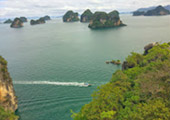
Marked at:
<point>58,52</point>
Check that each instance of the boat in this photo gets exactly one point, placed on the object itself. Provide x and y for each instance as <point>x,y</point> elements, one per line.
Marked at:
<point>87,85</point>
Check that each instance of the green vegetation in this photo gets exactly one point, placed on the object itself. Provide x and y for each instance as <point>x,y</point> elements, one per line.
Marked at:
<point>139,92</point>
<point>86,16</point>
<point>3,61</point>
<point>7,115</point>
<point>3,68</point>
<point>70,16</point>
<point>104,20</point>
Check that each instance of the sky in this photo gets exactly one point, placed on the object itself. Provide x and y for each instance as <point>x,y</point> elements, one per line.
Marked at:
<point>30,8</point>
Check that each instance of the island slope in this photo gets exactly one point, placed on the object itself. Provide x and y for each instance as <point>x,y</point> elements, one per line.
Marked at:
<point>139,92</point>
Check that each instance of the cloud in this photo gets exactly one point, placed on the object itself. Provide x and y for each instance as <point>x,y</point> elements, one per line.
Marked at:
<point>13,8</point>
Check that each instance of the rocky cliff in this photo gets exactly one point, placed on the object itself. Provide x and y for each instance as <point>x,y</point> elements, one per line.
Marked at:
<point>104,20</point>
<point>8,99</point>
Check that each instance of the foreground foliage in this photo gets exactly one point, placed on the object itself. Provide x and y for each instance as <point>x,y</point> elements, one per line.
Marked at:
<point>7,115</point>
<point>140,92</point>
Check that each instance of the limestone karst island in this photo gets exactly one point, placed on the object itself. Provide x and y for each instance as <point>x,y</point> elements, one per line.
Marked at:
<point>85,60</point>
<point>97,20</point>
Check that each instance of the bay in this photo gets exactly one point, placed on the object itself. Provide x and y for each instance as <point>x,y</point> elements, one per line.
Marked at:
<point>44,59</point>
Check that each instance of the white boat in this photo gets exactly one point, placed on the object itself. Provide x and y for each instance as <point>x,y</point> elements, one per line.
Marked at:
<point>87,85</point>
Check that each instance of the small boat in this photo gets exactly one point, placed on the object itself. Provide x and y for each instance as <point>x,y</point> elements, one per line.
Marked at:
<point>87,85</point>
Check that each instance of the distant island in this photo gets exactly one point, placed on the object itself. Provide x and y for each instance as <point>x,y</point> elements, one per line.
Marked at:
<point>46,18</point>
<point>70,16</point>
<point>24,19</point>
<point>17,23</point>
<point>137,92</point>
<point>97,20</point>
<point>86,16</point>
<point>41,20</point>
<point>152,7</point>
<point>8,21</point>
<point>158,11</point>
<point>104,20</point>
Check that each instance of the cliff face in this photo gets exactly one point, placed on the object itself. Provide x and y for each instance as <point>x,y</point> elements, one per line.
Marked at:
<point>8,100</point>
<point>104,20</point>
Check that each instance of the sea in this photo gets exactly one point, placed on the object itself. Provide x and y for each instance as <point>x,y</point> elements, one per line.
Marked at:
<point>49,63</point>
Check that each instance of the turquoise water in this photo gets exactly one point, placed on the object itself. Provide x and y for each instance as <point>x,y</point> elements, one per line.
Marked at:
<point>57,54</point>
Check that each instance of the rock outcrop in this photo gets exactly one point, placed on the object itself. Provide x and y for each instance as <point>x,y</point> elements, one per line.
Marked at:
<point>86,16</point>
<point>39,21</point>
<point>17,23</point>
<point>8,21</point>
<point>8,100</point>
<point>149,46</point>
<point>70,16</point>
<point>24,19</point>
<point>158,11</point>
<point>104,20</point>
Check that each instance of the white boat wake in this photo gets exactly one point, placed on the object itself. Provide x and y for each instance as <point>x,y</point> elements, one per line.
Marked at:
<point>51,83</point>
